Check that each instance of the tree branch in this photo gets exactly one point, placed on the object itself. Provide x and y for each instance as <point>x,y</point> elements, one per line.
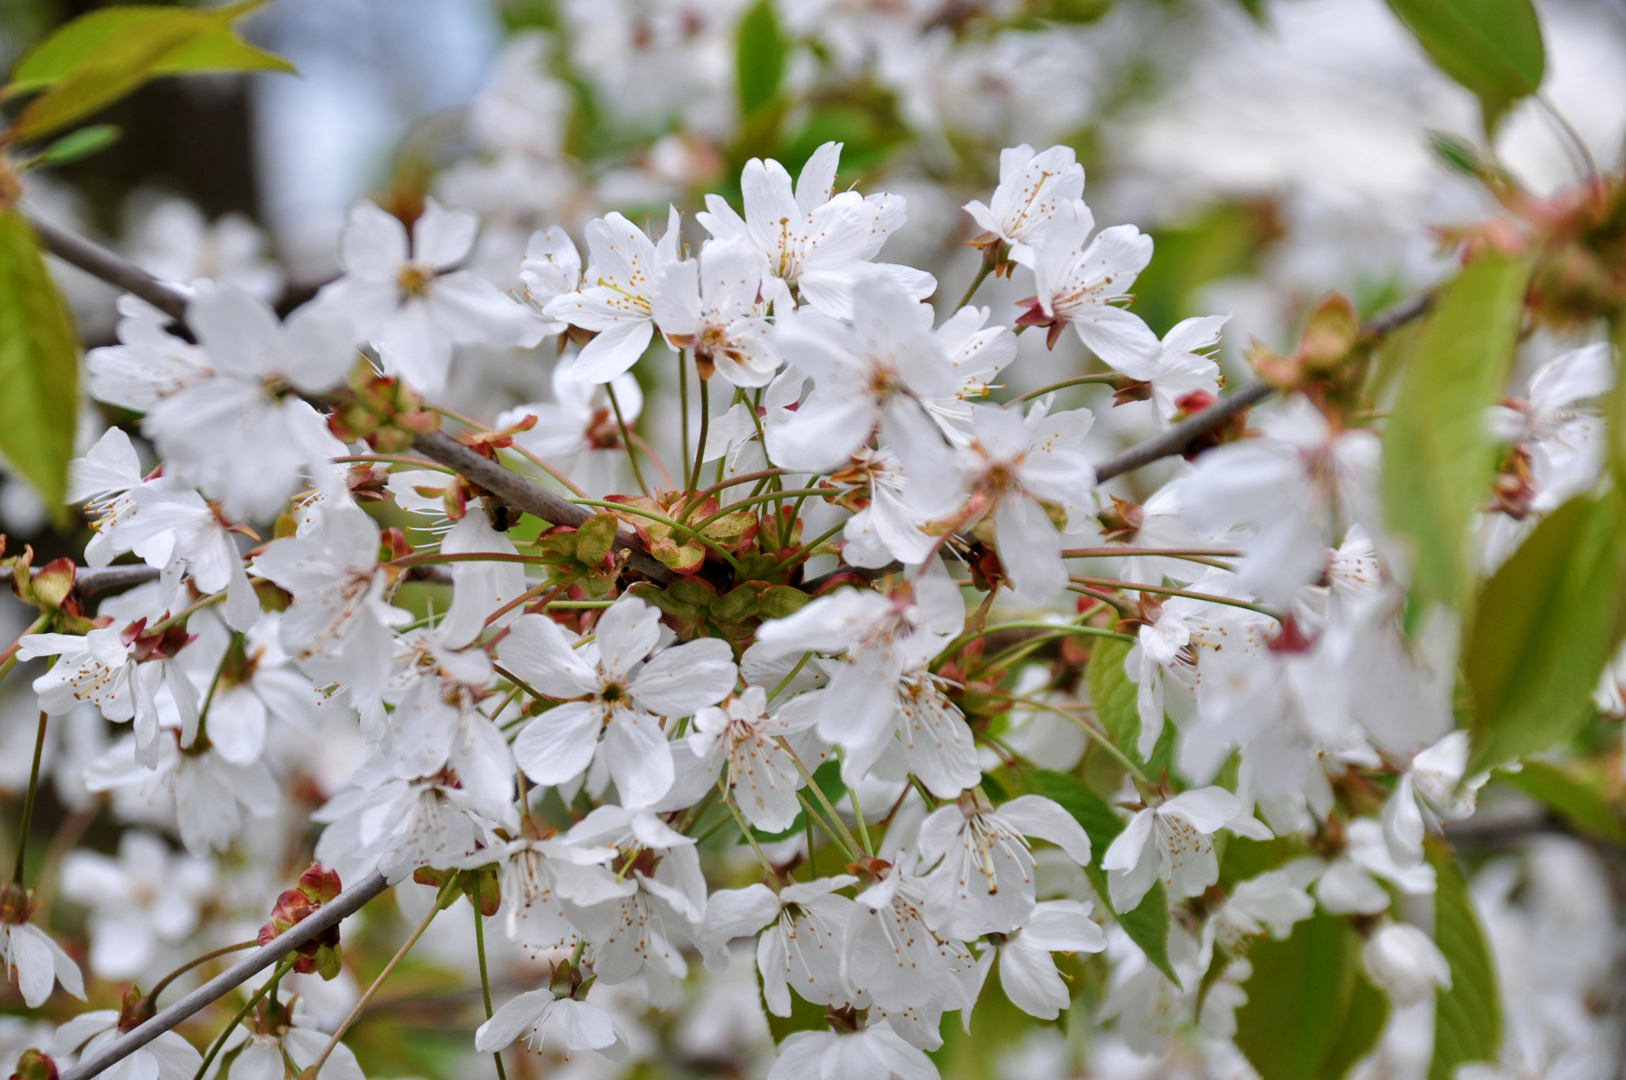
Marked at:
<point>329,915</point>
<point>506,484</point>
<point>522,494</point>
<point>111,267</point>
<point>1180,435</point>
<point>91,580</point>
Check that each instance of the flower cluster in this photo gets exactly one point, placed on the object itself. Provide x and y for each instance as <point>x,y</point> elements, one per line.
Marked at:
<point>880,691</point>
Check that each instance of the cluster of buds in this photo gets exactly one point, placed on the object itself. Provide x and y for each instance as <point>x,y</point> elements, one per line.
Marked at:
<point>382,410</point>
<point>316,887</point>
<point>50,588</point>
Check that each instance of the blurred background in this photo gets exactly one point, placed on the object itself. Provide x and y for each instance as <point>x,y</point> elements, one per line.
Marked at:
<point>1275,149</point>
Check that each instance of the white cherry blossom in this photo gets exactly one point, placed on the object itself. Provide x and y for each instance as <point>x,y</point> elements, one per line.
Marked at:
<point>616,697</point>
<point>617,295</point>
<point>542,1020</point>
<point>1027,971</point>
<point>984,883</point>
<point>1032,187</point>
<point>818,242</point>
<point>1080,280</point>
<point>410,301</point>
<point>1174,841</point>
<point>801,929</point>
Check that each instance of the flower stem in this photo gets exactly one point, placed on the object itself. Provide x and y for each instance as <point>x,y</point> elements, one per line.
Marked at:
<point>863,829</point>
<point>683,411</point>
<point>626,438</point>
<point>485,979</point>
<point>848,841</point>
<point>1131,586</point>
<point>242,1014</point>
<point>745,829</point>
<point>705,428</point>
<point>400,954</point>
<point>8,659</point>
<point>28,800</point>
<point>1082,380</point>
<point>163,984</point>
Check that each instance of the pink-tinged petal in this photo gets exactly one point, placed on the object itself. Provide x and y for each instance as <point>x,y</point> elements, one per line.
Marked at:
<point>536,650</point>
<point>373,244</point>
<point>442,237</point>
<point>556,747</point>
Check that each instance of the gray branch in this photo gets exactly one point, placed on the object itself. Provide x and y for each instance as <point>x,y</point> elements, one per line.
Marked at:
<point>90,580</point>
<point>110,266</point>
<point>329,915</point>
<point>520,493</point>
<point>1178,437</point>
<point>509,486</point>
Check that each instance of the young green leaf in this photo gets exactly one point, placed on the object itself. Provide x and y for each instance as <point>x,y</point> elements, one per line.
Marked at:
<point>760,57</point>
<point>1545,626</point>
<point>1467,1017</point>
<point>1113,696</point>
<point>100,57</point>
<point>1438,456</point>
<point>79,144</point>
<point>1299,997</point>
<point>39,366</point>
<point>1148,924</point>
<point>1582,803</point>
<point>1492,47</point>
<point>1368,1011</point>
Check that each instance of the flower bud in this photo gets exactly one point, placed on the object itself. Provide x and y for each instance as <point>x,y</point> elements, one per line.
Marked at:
<point>1406,963</point>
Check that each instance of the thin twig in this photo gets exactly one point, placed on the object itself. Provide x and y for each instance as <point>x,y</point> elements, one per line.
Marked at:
<point>326,917</point>
<point>112,268</point>
<point>534,499</point>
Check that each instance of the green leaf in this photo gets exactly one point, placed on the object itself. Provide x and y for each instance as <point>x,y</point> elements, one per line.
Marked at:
<point>1299,996</point>
<point>1617,405</point>
<point>1492,47</point>
<point>1438,457</point>
<point>1582,803</point>
<point>1148,924</point>
<point>1368,1011</point>
<point>79,144</point>
<point>759,57</point>
<point>1467,1017</point>
<point>39,366</point>
<point>1546,624</point>
<point>1112,695</point>
<point>100,57</point>
<point>1461,156</point>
